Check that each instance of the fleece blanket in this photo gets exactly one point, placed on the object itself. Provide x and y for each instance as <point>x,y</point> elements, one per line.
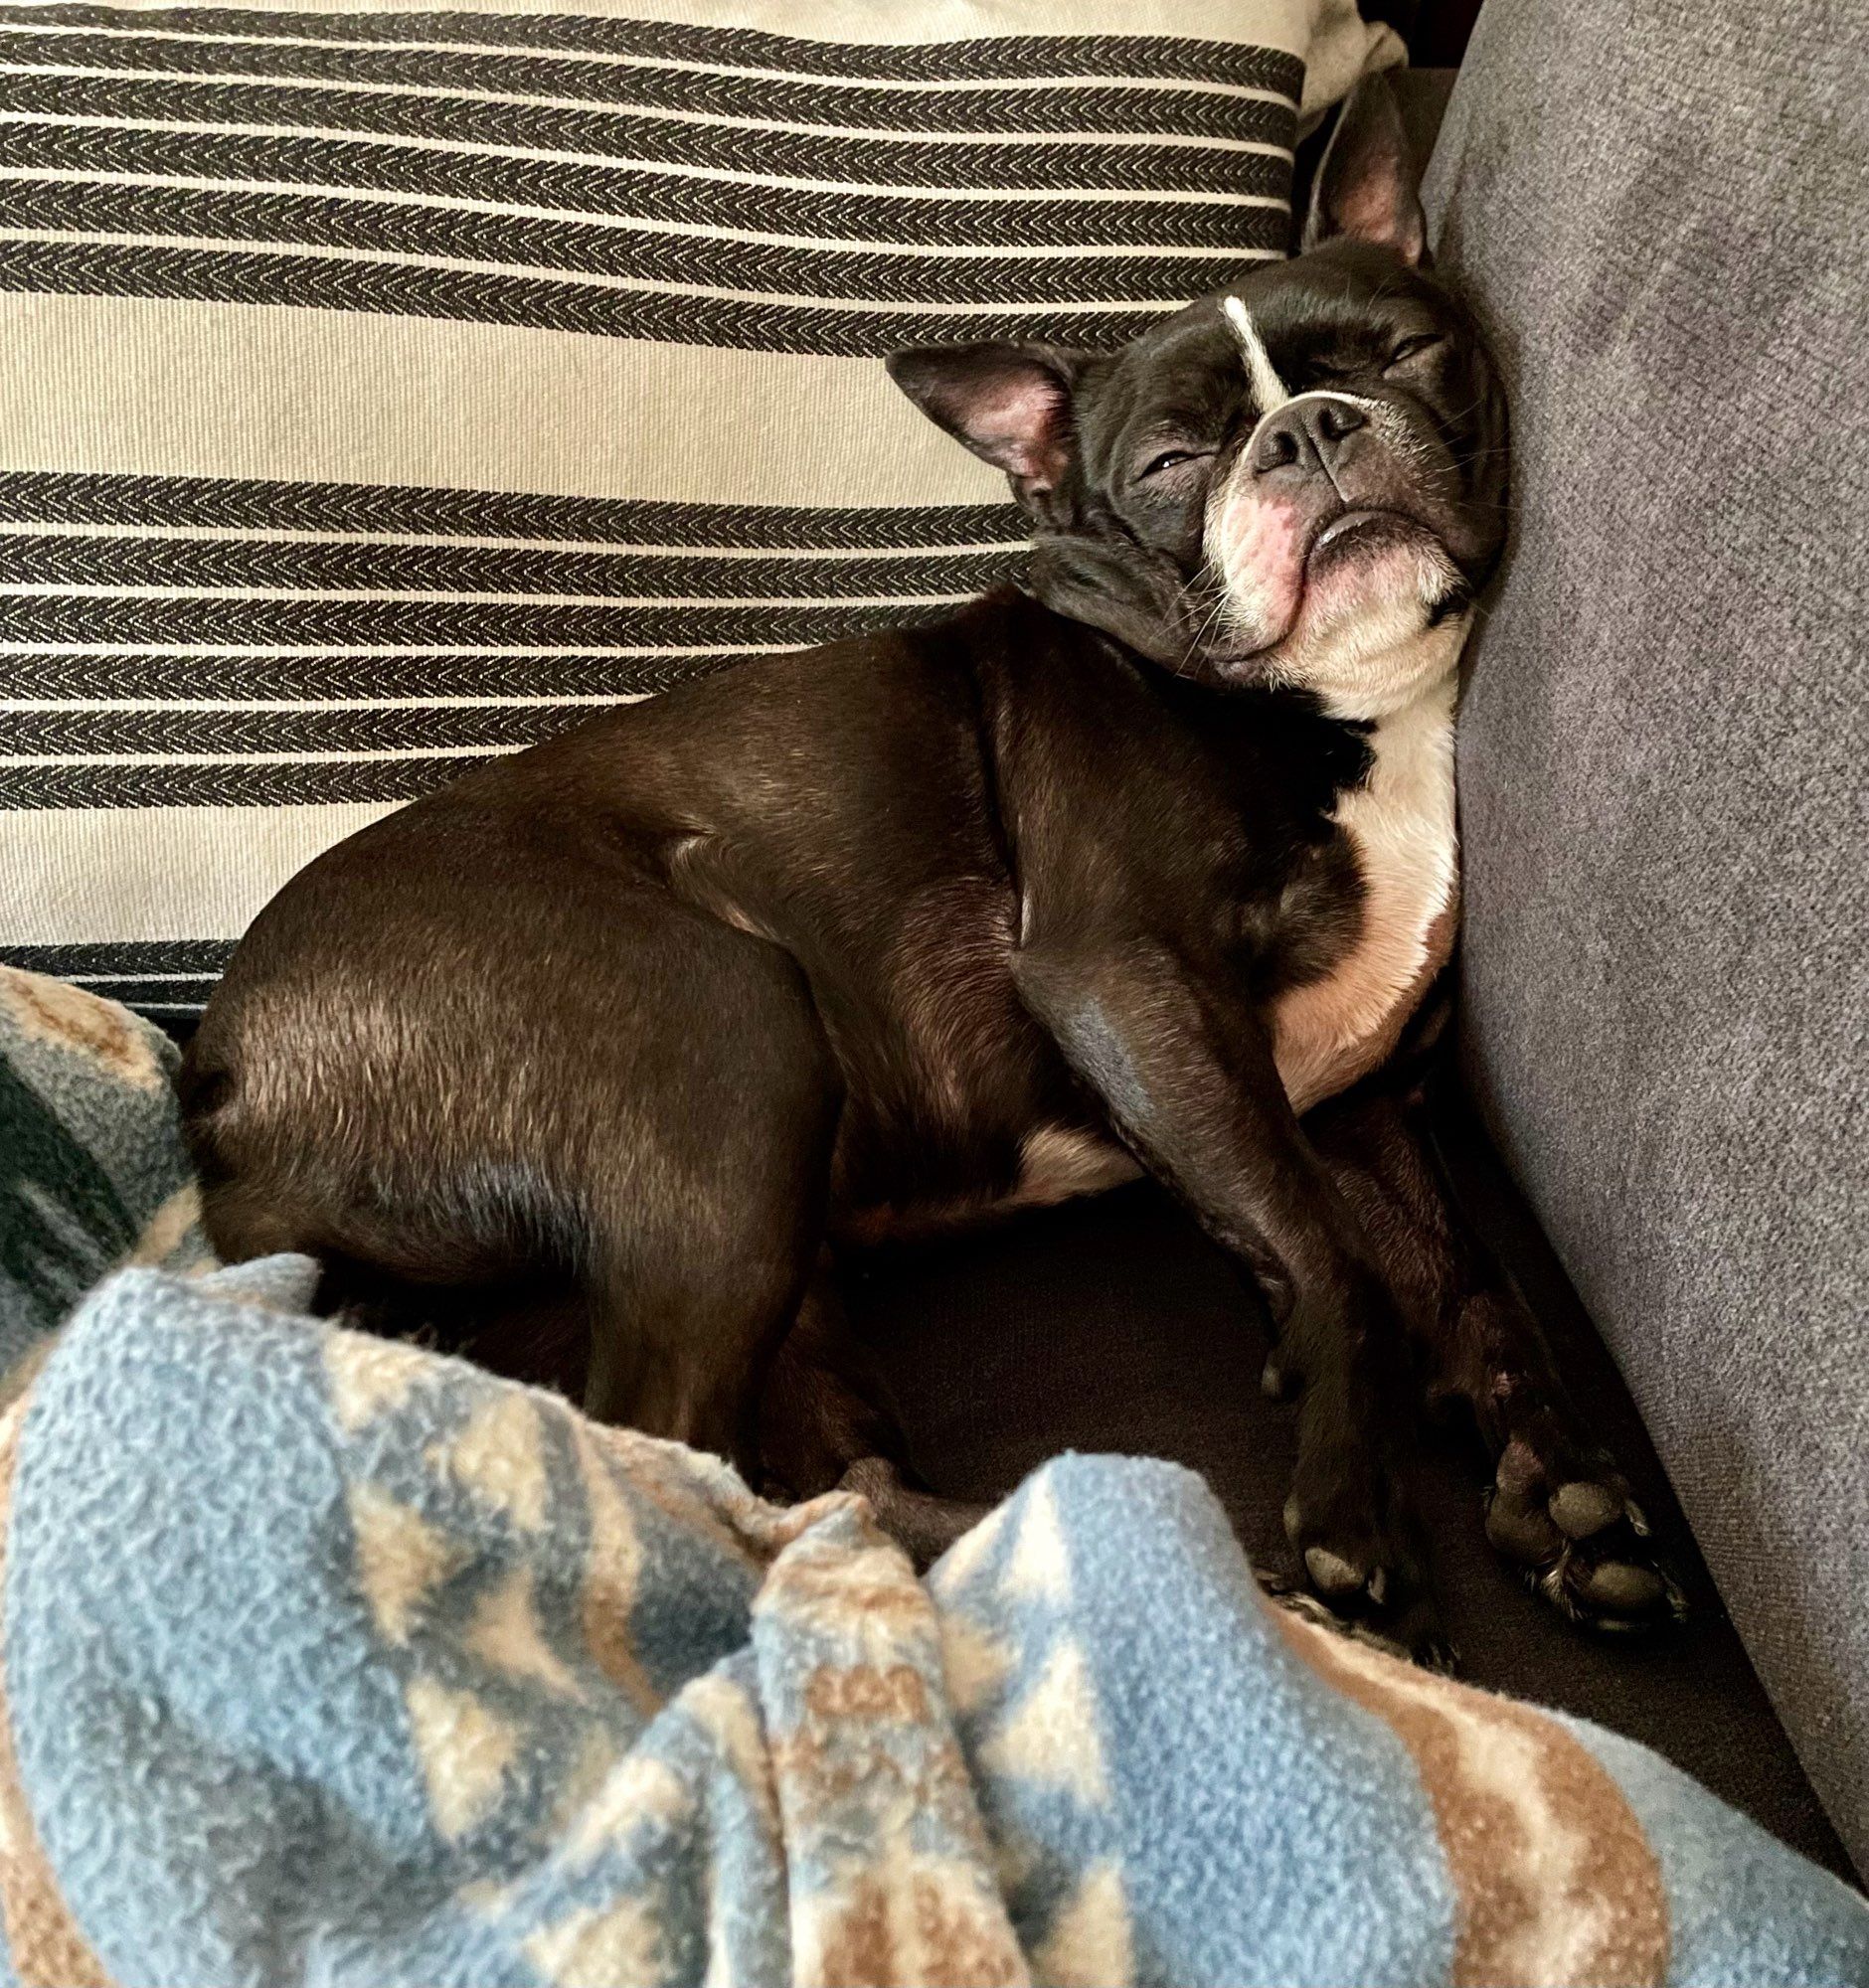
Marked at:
<point>91,1169</point>
<point>325,1659</point>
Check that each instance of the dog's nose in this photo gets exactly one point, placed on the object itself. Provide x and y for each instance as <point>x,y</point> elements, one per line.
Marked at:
<point>1308,433</point>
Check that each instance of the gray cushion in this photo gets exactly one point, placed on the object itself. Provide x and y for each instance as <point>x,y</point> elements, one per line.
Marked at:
<point>1662,214</point>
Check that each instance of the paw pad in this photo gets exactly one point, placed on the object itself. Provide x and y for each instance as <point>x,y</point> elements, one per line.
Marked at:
<point>1583,1508</point>
<point>1331,1573</point>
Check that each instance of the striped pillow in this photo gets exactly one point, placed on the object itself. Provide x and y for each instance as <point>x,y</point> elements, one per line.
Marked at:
<point>386,390</point>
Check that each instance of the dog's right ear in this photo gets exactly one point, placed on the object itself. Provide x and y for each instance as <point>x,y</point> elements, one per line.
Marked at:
<point>1367,185</point>
<point>1010,404</point>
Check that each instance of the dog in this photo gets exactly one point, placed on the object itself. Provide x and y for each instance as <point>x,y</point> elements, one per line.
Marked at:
<point>616,1045</point>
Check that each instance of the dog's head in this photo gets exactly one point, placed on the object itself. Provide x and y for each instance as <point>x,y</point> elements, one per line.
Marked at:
<point>1299,481</point>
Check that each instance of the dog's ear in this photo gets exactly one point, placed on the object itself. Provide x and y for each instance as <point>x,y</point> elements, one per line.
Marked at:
<point>1367,187</point>
<point>1010,404</point>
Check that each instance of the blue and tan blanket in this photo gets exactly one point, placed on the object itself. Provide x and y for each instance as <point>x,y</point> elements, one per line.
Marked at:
<point>327,1660</point>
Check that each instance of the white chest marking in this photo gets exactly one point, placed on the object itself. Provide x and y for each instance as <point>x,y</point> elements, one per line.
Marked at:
<point>1401,823</point>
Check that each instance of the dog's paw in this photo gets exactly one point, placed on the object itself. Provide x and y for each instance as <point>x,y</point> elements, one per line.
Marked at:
<point>1361,1550</point>
<point>1580,1539</point>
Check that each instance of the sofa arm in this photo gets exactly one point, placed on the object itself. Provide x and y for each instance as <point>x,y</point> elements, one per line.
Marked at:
<point>1659,214</point>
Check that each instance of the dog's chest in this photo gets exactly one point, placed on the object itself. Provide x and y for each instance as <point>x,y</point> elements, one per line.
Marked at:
<point>1330,1031</point>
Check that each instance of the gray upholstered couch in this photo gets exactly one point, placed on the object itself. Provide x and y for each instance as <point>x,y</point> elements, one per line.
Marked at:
<point>1663,212</point>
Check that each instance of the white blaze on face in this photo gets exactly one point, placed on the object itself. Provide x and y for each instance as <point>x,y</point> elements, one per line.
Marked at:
<point>1269,391</point>
<point>1258,543</point>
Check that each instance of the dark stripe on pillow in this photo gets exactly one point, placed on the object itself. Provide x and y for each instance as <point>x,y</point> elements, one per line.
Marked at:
<point>688,206</point>
<point>159,976</point>
<point>166,621</point>
<point>388,510</point>
<point>1143,104</point>
<point>82,676</point>
<point>26,559</point>
<point>195,957</point>
<point>160,999</point>
<point>81,208</point>
<point>362,727</point>
<point>1004,55</point>
<point>173,783</point>
<point>504,296</point>
<point>1120,162</point>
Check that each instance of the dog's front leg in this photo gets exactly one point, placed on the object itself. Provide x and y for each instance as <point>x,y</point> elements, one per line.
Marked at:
<point>1183,1065</point>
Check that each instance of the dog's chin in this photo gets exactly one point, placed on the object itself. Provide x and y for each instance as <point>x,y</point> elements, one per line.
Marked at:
<point>1381,613</point>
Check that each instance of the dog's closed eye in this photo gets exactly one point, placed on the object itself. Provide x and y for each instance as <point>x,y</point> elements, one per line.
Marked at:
<point>1171,459</point>
<point>1414,348</point>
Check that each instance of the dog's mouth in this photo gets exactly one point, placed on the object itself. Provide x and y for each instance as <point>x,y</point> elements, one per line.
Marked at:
<point>1354,533</point>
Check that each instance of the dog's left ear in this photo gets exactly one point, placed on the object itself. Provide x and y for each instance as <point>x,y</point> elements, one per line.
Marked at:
<point>1367,186</point>
<point>1010,404</point>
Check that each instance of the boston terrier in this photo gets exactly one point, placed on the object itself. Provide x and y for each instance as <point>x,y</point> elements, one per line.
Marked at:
<point>615,1046</point>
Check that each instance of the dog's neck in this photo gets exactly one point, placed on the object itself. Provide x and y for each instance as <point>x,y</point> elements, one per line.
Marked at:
<point>1367,680</point>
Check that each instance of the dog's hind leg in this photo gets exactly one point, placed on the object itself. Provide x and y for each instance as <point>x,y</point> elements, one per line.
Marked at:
<point>706,1228</point>
<point>823,1426</point>
<point>623,1139</point>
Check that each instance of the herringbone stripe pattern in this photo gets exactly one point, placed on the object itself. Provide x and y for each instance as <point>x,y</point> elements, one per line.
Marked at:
<point>767,193</point>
